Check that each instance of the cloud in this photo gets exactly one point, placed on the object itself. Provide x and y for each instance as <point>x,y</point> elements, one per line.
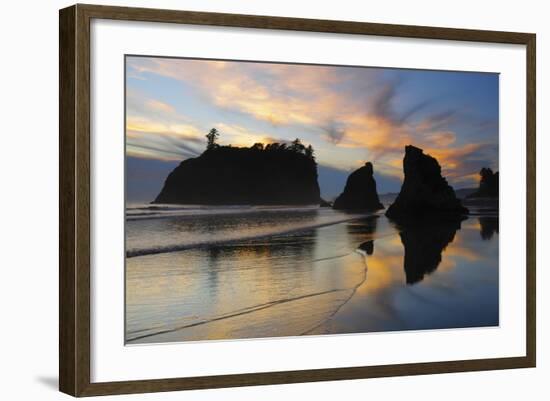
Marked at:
<point>164,141</point>
<point>153,145</point>
<point>407,114</point>
<point>346,107</point>
<point>333,132</point>
<point>385,142</point>
<point>139,104</point>
<point>382,101</point>
<point>182,131</point>
<point>156,130</point>
<point>441,138</point>
<point>437,120</point>
<point>275,93</point>
<point>462,164</point>
<point>154,104</point>
<point>238,135</point>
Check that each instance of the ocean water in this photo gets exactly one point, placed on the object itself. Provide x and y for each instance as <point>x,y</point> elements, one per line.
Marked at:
<point>211,273</point>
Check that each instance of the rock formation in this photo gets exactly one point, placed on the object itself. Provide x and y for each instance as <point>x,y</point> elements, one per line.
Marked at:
<point>360,191</point>
<point>488,226</point>
<point>488,185</point>
<point>225,175</point>
<point>424,192</point>
<point>366,247</point>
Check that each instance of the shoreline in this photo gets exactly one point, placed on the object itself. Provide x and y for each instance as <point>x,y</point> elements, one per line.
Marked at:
<point>204,244</point>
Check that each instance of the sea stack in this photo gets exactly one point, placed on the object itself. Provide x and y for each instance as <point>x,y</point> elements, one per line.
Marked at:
<point>360,191</point>
<point>488,185</point>
<point>424,193</point>
<point>225,175</point>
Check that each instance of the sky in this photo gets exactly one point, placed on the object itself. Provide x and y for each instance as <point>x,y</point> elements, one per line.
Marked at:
<point>350,115</point>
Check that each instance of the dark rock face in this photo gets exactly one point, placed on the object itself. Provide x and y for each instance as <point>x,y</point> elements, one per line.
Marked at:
<point>488,185</point>
<point>243,176</point>
<point>360,191</point>
<point>367,247</point>
<point>424,191</point>
<point>424,242</point>
<point>489,226</point>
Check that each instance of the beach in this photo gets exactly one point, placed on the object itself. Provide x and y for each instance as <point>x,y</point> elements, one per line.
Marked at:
<point>218,273</point>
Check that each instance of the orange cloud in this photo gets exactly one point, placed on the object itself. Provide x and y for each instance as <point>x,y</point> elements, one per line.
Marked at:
<point>146,126</point>
<point>237,135</point>
<point>156,130</point>
<point>275,93</point>
<point>306,96</point>
<point>161,106</point>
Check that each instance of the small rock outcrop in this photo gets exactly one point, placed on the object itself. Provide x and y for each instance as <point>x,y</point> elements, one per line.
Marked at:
<point>366,247</point>
<point>424,192</point>
<point>488,185</point>
<point>488,226</point>
<point>360,191</point>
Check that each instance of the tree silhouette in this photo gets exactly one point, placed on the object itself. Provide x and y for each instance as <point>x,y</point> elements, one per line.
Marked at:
<point>310,152</point>
<point>212,136</point>
<point>273,146</point>
<point>297,146</point>
<point>258,146</point>
<point>488,184</point>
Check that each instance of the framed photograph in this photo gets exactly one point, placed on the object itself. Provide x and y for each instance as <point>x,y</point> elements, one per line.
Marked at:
<point>250,200</point>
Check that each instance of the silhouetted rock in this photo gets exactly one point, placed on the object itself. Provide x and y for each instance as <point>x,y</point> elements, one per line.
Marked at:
<point>360,191</point>
<point>424,241</point>
<point>489,226</point>
<point>225,175</point>
<point>367,247</point>
<point>424,191</point>
<point>488,185</point>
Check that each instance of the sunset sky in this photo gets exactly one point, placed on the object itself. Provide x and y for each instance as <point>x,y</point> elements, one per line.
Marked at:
<point>350,115</point>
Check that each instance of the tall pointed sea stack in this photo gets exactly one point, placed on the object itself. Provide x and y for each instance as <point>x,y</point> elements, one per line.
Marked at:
<point>424,192</point>
<point>360,191</point>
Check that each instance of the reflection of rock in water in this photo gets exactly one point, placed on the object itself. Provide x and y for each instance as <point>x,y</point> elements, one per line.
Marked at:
<point>367,247</point>
<point>489,226</point>
<point>424,242</point>
<point>366,225</point>
<point>364,229</point>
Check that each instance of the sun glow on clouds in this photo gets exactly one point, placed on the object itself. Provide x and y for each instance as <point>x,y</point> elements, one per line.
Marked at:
<point>348,114</point>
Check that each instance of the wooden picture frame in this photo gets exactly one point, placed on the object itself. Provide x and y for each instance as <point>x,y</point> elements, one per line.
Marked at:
<point>74,204</point>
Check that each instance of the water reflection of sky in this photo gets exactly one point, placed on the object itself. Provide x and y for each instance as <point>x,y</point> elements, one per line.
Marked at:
<point>461,292</point>
<point>326,280</point>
